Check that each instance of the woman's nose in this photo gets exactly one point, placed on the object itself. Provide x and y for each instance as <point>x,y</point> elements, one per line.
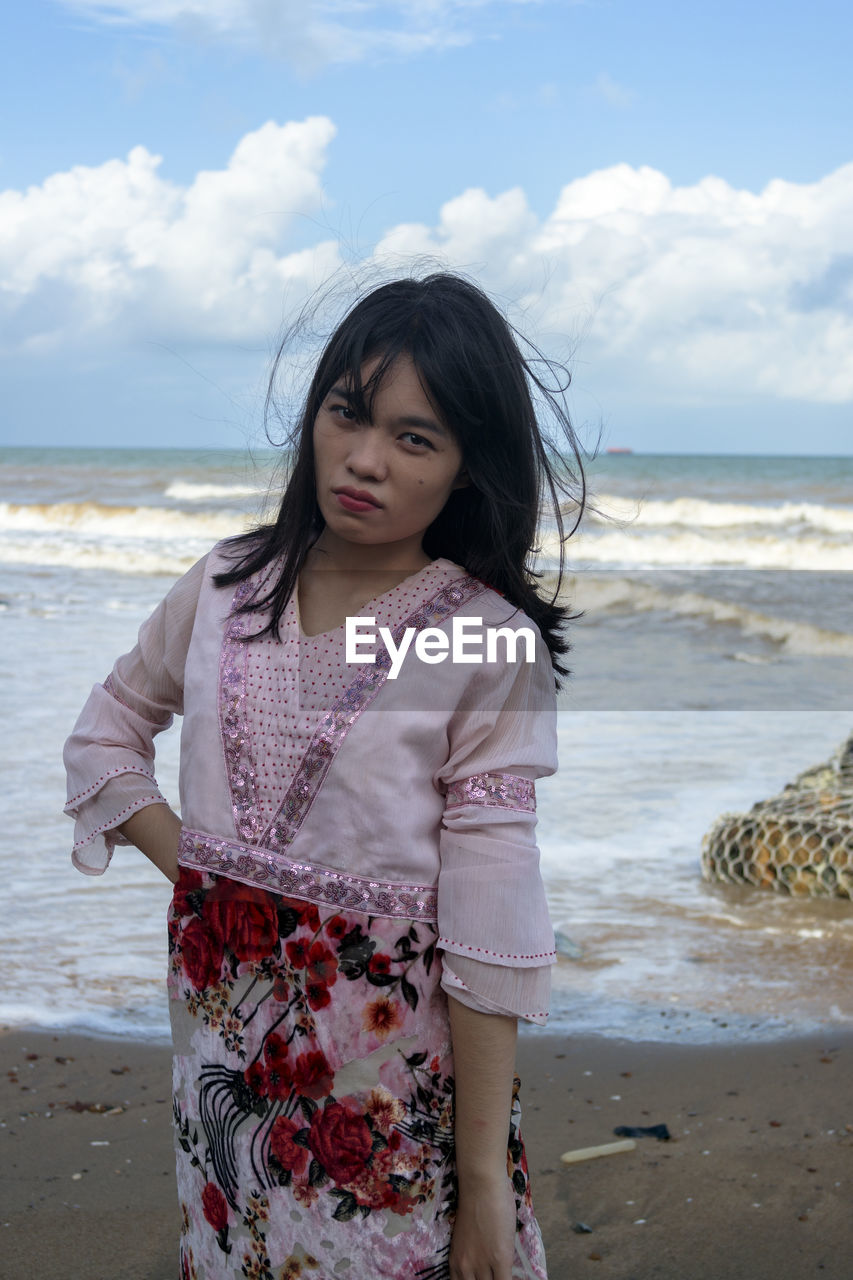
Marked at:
<point>368,454</point>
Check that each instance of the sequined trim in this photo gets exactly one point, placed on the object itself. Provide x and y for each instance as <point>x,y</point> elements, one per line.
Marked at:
<point>141,802</point>
<point>453,944</point>
<point>101,781</point>
<point>234,729</point>
<point>271,870</point>
<point>329,734</point>
<point>498,790</point>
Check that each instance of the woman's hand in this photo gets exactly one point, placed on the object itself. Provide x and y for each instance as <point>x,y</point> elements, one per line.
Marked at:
<point>155,830</point>
<point>483,1242</point>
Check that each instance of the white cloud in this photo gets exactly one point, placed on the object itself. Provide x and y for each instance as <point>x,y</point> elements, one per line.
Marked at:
<point>307,33</point>
<point>701,292</point>
<point>118,249</point>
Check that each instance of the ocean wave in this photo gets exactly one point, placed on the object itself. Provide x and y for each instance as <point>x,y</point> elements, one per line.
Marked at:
<point>122,557</point>
<point>624,549</point>
<point>700,513</point>
<point>620,595</point>
<point>97,520</point>
<point>189,491</point>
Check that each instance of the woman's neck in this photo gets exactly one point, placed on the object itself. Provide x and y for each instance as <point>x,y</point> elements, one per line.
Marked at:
<point>333,586</point>
<point>330,553</point>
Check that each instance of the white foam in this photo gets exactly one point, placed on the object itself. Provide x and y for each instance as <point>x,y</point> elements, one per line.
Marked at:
<point>188,491</point>
<point>700,513</point>
<point>127,540</point>
<point>95,519</point>
<point>142,561</point>
<point>615,594</point>
<point>622,549</point>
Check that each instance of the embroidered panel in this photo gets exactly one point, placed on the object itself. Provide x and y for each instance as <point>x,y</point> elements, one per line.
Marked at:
<point>331,731</point>
<point>500,790</point>
<point>272,870</point>
<point>335,725</point>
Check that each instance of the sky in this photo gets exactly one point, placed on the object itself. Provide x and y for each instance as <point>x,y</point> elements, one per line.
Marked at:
<point>660,194</point>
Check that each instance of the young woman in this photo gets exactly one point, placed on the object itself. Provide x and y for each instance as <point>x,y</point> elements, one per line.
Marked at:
<point>358,918</point>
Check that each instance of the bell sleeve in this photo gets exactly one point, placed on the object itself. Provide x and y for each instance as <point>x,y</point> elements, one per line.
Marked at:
<point>493,922</point>
<point>109,757</point>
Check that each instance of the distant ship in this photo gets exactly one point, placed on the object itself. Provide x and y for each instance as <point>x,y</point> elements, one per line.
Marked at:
<point>619,449</point>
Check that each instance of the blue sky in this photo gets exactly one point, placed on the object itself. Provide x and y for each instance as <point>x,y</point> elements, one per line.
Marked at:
<point>663,190</point>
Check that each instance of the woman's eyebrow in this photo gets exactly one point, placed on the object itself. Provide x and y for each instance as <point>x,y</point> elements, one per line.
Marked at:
<point>412,420</point>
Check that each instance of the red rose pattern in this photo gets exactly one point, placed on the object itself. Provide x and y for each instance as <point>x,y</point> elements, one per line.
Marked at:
<point>288,1153</point>
<point>214,1207</point>
<point>188,882</point>
<point>243,918</point>
<point>201,954</point>
<point>341,1141</point>
<point>289,1081</point>
<point>312,1075</point>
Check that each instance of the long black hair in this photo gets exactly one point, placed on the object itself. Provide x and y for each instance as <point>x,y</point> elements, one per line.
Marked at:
<point>470,363</point>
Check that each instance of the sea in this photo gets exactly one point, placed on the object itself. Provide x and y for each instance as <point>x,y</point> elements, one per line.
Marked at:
<point>712,662</point>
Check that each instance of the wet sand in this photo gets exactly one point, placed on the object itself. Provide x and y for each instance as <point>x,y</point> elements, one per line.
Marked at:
<point>755,1183</point>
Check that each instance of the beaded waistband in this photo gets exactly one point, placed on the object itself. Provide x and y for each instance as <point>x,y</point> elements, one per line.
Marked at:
<point>269,869</point>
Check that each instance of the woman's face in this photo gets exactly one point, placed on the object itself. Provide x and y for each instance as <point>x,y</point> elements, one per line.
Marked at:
<point>384,481</point>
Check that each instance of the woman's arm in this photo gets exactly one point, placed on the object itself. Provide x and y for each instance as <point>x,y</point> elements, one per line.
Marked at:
<point>483,1243</point>
<point>155,831</point>
<point>109,756</point>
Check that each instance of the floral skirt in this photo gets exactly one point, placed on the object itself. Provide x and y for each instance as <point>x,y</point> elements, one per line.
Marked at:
<point>313,1092</point>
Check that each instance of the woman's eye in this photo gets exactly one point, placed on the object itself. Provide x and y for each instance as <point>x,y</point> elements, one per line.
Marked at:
<point>413,438</point>
<point>342,411</point>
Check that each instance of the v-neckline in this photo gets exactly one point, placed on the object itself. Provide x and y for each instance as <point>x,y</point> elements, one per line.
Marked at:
<point>374,600</point>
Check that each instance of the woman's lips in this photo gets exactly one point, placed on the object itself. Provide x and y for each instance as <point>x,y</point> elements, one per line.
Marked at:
<point>350,502</point>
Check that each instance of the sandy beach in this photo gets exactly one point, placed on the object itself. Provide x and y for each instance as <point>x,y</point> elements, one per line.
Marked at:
<point>754,1183</point>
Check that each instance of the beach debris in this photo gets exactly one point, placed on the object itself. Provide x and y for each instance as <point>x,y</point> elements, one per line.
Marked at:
<point>658,1131</point>
<point>581,1229</point>
<point>594,1257</point>
<point>593,1153</point>
<point>566,946</point>
<point>799,842</point>
<point>98,1108</point>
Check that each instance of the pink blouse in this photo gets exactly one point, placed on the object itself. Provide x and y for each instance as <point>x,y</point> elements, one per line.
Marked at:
<point>409,796</point>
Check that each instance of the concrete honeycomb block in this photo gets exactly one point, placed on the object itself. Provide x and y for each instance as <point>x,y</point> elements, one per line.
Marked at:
<point>799,842</point>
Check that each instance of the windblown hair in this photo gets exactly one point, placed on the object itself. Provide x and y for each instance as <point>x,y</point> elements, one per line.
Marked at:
<point>470,363</point>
